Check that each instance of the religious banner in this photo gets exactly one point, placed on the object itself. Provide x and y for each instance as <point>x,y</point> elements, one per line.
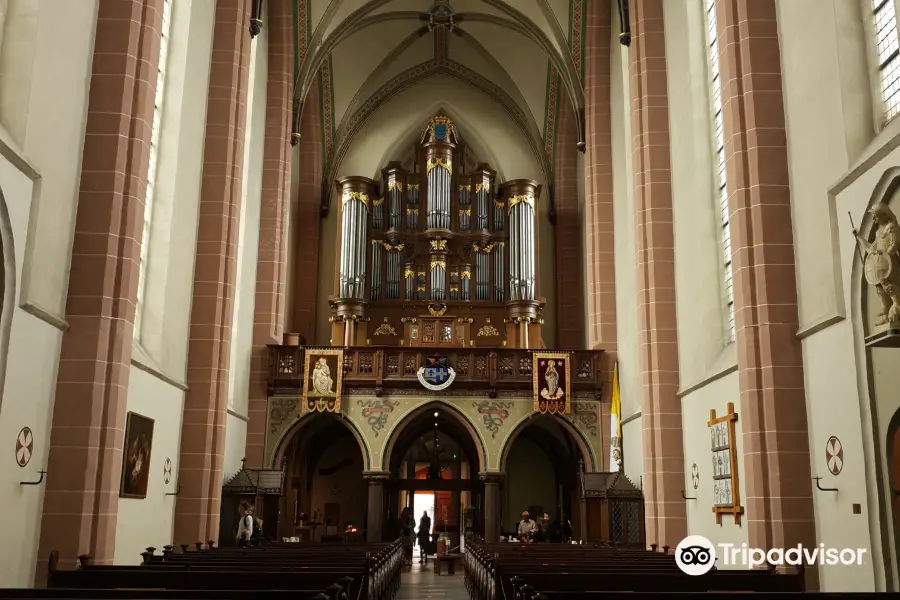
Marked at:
<point>552,386</point>
<point>324,371</point>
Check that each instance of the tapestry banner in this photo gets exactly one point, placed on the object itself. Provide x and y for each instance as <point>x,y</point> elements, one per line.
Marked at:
<point>324,369</point>
<point>552,386</point>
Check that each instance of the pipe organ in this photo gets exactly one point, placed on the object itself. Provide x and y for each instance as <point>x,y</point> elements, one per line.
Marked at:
<point>438,253</point>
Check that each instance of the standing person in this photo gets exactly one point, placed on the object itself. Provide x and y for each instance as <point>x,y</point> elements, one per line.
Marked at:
<point>408,533</point>
<point>246,524</point>
<point>424,538</point>
<point>526,527</point>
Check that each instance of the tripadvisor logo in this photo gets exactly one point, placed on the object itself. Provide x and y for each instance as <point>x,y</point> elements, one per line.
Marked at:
<point>696,555</point>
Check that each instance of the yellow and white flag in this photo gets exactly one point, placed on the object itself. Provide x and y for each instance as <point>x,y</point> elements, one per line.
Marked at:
<point>615,425</point>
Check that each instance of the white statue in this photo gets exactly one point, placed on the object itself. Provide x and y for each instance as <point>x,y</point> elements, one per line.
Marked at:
<point>321,379</point>
<point>882,263</point>
<point>552,391</point>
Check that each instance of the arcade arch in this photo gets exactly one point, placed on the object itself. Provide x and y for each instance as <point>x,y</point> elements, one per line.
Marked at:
<point>324,458</point>
<point>541,458</point>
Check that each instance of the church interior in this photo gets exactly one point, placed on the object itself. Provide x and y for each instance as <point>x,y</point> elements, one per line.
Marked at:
<point>425,266</point>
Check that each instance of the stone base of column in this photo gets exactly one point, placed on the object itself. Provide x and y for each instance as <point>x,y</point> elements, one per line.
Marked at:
<point>491,506</point>
<point>375,511</point>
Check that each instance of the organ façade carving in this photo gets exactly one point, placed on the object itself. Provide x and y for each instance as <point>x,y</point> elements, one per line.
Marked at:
<point>441,254</point>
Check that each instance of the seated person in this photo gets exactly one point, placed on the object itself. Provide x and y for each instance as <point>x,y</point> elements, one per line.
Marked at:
<point>526,526</point>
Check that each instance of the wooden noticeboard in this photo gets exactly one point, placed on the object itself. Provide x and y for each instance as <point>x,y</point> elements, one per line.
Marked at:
<point>726,487</point>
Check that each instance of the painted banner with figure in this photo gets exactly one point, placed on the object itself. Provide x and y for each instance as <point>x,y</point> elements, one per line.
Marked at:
<point>552,385</point>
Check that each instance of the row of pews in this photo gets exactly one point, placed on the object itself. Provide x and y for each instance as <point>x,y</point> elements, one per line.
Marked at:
<point>278,571</point>
<point>588,572</point>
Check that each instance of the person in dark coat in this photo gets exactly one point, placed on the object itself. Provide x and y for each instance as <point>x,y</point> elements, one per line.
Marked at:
<point>408,533</point>
<point>424,538</point>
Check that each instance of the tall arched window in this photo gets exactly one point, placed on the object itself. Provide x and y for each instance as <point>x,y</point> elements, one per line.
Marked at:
<point>151,172</point>
<point>887,54</point>
<point>719,147</point>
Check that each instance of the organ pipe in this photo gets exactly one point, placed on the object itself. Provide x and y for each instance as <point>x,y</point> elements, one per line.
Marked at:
<point>439,176</point>
<point>354,224</point>
<point>395,196</point>
<point>377,252</point>
<point>409,276</point>
<point>521,242</point>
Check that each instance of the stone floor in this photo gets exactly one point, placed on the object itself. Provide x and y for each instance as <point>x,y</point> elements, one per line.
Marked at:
<point>420,582</point>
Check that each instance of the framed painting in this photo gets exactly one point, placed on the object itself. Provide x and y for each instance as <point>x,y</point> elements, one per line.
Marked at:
<point>136,456</point>
<point>552,385</point>
<point>324,371</point>
<point>726,487</point>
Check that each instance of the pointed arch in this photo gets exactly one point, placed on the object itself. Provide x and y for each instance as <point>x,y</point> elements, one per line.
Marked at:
<point>8,290</point>
<point>467,132</point>
<point>440,404</point>
<point>306,419</point>
<point>584,447</point>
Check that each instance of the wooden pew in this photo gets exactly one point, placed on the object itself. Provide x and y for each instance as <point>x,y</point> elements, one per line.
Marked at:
<point>563,572</point>
<point>351,572</point>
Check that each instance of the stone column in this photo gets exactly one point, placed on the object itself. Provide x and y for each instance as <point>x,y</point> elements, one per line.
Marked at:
<point>375,513</point>
<point>306,218</point>
<point>600,278</point>
<point>268,313</point>
<point>200,474</point>
<point>666,513</point>
<point>82,487</point>
<point>491,505</point>
<point>570,332</point>
<point>778,481</point>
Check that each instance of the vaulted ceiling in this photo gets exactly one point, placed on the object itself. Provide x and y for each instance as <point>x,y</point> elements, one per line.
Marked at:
<point>525,55</point>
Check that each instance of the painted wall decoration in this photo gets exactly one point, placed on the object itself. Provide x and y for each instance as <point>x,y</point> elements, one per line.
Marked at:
<point>377,411</point>
<point>324,375</point>
<point>585,415</point>
<point>695,476</point>
<point>136,456</point>
<point>834,455</point>
<point>167,471</point>
<point>552,385</point>
<point>24,446</point>
<point>726,489</point>
<point>494,413</point>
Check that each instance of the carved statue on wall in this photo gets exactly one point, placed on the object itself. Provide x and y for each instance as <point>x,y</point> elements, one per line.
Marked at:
<point>882,263</point>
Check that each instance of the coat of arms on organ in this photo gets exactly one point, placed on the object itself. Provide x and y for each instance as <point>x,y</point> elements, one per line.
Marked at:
<point>444,256</point>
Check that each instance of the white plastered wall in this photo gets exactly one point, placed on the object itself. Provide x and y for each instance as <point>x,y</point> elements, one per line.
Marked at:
<point>828,110</point>
<point>248,250</point>
<point>159,356</point>
<point>627,327</point>
<point>46,55</point>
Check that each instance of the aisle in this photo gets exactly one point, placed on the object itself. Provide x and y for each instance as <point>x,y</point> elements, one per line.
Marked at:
<point>420,582</point>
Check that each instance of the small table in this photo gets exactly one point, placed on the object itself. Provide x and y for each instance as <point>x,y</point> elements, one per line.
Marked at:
<point>449,559</point>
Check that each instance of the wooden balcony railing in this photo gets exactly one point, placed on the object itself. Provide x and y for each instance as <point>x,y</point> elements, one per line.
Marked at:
<point>392,367</point>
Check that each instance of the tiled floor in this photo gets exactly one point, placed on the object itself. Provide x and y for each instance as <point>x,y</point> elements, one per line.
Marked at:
<point>420,582</point>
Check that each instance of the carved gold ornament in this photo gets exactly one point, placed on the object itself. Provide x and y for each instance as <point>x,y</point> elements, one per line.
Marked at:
<point>393,184</point>
<point>438,244</point>
<point>519,199</point>
<point>484,249</point>
<point>437,310</point>
<point>421,288</point>
<point>421,273</point>
<point>412,211</point>
<point>413,186</point>
<point>454,288</point>
<point>478,187</point>
<point>378,201</point>
<point>385,329</point>
<point>466,212</point>
<point>409,273</point>
<point>487,330</point>
<point>439,263</point>
<point>439,162</point>
<point>440,121</point>
<point>467,188</point>
<point>454,273</point>
<point>466,275</point>
<point>393,247</point>
<point>499,203</point>
<point>361,196</point>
